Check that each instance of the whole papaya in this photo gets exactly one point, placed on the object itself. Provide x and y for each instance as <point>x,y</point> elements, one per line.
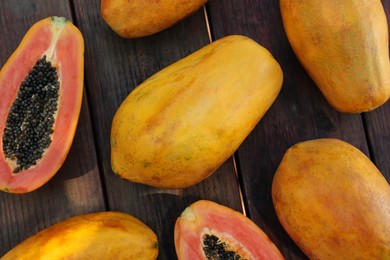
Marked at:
<point>102,235</point>
<point>138,18</point>
<point>343,45</point>
<point>332,201</point>
<point>180,125</point>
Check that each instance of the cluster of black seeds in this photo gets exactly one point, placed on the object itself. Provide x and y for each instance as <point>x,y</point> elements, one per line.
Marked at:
<point>215,249</point>
<point>30,120</point>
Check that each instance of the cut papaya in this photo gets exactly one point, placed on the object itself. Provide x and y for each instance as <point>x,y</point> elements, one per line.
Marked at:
<point>207,230</point>
<point>102,235</point>
<point>41,88</point>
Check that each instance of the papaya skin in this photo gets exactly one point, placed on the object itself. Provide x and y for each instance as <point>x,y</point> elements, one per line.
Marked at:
<point>180,125</point>
<point>332,201</point>
<point>103,235</point>
<point>343,45</point>
<point>138,18</point>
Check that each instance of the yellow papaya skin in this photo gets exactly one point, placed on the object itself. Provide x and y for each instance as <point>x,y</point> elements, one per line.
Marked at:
<point>103,235</point>
<point>180,125</point>
<point>343,45</point>
<point>139,18</point>
<point>332,201</point>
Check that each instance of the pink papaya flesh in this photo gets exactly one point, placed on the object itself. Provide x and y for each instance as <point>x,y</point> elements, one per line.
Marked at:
<point>208,230</point>
<point>41,88</point>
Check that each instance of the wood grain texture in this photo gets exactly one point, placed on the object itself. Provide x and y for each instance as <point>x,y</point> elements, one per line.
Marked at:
<point>378,125</point>
<point>114,67</point>
<point>299,113</point>
<point>76,188</point>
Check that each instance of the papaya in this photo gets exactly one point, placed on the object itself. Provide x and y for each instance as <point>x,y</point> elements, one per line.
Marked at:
<point>138,18</point>
<point>208,230</point>
<point>41,88</point>
<point>177,127</point>
<point>343,45</point>
<point>102,235</point>
<point>333,201</point>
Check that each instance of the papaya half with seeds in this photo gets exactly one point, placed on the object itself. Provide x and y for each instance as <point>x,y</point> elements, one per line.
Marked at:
<point>332,201</point>
<point>181,124</point>
<point>103,235</point>
<point>138,18</point>
<point>41,88</point>
<point>207,230</point>
<point>343,45</point>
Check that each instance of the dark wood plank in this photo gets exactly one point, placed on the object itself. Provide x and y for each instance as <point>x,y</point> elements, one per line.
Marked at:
<point>378,126</point>
<point>115,66</point>
<point>76,188</point>
<point>299,113</point>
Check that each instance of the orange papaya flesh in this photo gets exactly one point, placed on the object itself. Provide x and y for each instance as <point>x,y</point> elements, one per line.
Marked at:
<point>101,235</point>
<point>207,230</point>
<point>41,86</point>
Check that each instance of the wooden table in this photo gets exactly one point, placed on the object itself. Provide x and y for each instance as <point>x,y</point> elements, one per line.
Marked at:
<point>115,66</point>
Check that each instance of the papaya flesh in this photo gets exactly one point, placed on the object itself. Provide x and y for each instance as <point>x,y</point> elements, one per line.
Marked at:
<point>332,201</point>
<point>45,72</point>
<point>180,125</point>
<point>207,230</point>
<point>343,45</point>
<point>138,18</point>
<point>103,235</point>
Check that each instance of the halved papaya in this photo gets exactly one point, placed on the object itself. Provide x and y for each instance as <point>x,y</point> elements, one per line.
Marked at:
<point>101,235</point>
<point>41,88</point>
<point>207,230</point>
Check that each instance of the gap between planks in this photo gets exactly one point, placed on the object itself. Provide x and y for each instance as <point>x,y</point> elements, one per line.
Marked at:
<point>233,157</point>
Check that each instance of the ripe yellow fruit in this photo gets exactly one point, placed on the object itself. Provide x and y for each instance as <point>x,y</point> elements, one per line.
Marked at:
<point>332,201</point>
<point>180,125</point>
<point>344,47</point>
<point>138,18</point>
<point>103,235</point>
